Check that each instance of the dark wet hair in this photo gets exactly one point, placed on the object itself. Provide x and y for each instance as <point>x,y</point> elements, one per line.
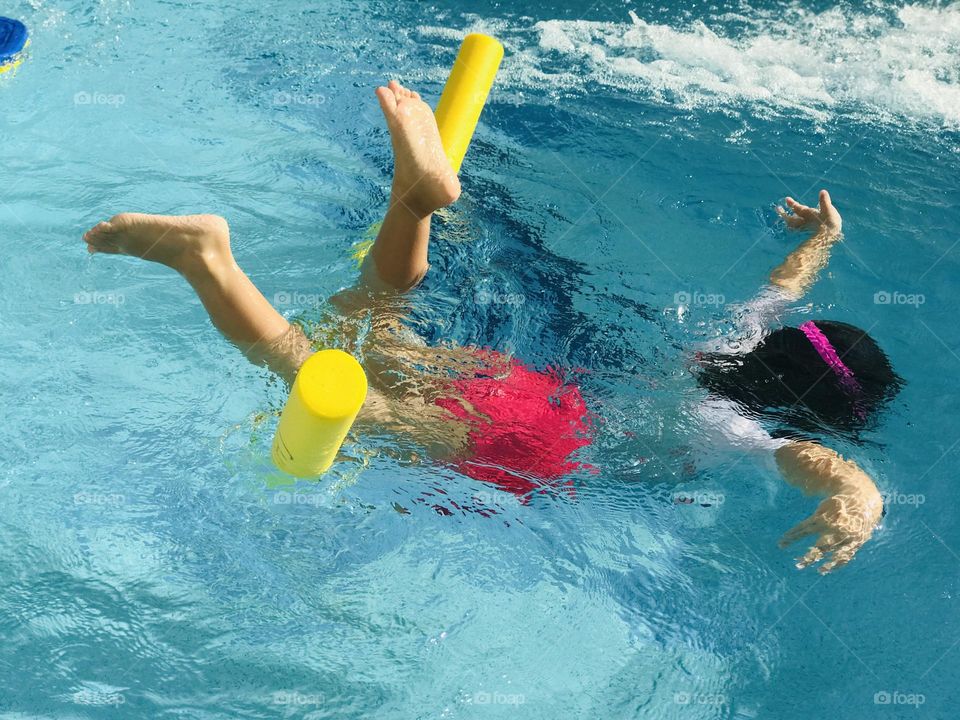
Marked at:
<point>785,377</point>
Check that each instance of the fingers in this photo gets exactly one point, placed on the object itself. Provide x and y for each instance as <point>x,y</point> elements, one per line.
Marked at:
<point>812,556</point>
<point>808,527</point>
<point>803,211</point>
<point>840,548</point>
<point>826,204</point>
<point>800,215</point>
<point>826,544</point>
<point>792,221</point>
<point>841,557</point>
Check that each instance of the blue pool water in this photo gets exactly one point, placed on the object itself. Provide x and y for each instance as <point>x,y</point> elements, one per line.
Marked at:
<point>153,564</point>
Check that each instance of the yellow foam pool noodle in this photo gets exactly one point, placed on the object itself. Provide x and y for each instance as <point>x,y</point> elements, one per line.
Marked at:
<point>466,93</point>
<point>458,111</point>
<point>326,397</point>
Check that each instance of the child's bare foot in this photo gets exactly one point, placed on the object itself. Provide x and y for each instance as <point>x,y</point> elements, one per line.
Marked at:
<point>423,179</point>
<point>185,243</point>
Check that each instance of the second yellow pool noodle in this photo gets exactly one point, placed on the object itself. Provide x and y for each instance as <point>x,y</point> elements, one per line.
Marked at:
<point>465,94</point>
<point>458,111</point>
<point>324,401</point>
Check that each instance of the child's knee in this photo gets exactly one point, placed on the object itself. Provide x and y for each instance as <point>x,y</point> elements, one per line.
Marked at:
<point>284,354</point>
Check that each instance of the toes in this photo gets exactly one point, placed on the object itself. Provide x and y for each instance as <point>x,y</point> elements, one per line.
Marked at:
<point>103,242</point>
<point>98,230</point>
<point>400,92</point>
<point>388,100</point>
<point>100,238</point>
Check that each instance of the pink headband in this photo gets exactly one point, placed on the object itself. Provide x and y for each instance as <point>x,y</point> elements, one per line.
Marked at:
<point>825,350</point>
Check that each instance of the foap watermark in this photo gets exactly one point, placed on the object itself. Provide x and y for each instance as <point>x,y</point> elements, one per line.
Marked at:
<point>99,297</point>
<point>296,498</point>
<point>99,697</point>
<point>894,297</point>
<point>491,297</point>
<point>92,498</point>
<point>295,98</point>
<point>296,699</point>
<point>292,298</point>
<point>698,298</point>
<point>482,697</point>
<point>99,98</point>
<point>695,698</point>
<point>896,498</point>
<point>496,497</point>
<point>895,697</point>
<point>703,498</point>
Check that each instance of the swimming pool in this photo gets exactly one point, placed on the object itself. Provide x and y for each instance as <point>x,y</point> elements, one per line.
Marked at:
<point>155,566</point>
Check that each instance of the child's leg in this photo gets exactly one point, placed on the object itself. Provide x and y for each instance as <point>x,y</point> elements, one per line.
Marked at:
<point>423,181</point>
<point>198,247</point>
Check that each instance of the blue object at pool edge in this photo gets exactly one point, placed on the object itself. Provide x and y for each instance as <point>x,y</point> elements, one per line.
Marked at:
<point>13,38</point>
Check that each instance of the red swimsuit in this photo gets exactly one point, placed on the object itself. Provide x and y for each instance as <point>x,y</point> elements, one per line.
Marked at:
<point>530,423</point>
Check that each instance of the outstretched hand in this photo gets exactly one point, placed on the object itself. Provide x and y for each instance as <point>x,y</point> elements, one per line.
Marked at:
<point>842,524</point>
<point>822,218</point>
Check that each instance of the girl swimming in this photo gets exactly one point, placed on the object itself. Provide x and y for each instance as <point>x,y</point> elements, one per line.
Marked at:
<point>502,422</point>
<point>820,378</point>
<point>491,416</point>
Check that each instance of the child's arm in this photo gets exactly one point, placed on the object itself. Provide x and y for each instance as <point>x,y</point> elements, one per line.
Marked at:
<point>789,280</point>
<point>799,271</point>
<point>845,520</point>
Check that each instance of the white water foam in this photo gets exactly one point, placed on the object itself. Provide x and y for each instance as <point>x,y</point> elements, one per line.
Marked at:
<point>893,64</point>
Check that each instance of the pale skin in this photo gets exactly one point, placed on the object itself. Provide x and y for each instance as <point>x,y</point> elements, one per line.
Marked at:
<point>801,268</point>
<point>198,248</point>
<point>845,520</point>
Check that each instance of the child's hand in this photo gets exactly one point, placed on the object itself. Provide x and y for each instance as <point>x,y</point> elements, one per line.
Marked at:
<point>843,523</point>
<point>823,219</point>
